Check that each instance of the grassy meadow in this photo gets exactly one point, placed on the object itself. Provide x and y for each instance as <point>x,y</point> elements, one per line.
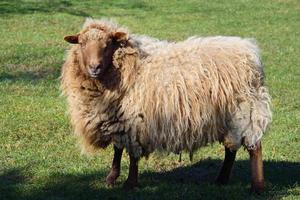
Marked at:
<point>39,158</point>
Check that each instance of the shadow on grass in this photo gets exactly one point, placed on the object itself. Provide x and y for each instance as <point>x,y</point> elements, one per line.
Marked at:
<point>192,182</point>
<point>130,5</point>
<point>30,76</point>
<point>17,7</point>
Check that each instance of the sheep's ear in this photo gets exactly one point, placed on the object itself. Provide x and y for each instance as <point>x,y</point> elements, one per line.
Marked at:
<point>73,39</point>
<point>120,36</point>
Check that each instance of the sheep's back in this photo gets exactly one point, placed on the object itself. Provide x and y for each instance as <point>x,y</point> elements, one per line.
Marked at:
<point>186,90</point>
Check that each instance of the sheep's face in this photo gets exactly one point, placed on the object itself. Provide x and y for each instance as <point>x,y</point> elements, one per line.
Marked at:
<point>97,48</point>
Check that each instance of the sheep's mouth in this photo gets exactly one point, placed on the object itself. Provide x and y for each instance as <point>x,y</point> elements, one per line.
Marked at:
<point>94,73</point>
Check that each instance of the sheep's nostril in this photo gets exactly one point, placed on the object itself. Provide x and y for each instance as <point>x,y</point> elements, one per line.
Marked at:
<point>98,66</point>
<point>95,67</point>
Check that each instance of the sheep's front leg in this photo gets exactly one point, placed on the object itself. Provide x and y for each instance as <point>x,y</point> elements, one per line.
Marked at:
<point>225,171</point>
<point>257,169</point>
<point>132,180</point>
<point>115,168</point>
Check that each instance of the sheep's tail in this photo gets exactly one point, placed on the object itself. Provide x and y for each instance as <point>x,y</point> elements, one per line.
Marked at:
<point>261,117</point>
<point>249,121</point>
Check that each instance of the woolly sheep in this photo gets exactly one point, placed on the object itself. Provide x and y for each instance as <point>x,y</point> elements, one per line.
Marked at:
<point>176,98</point>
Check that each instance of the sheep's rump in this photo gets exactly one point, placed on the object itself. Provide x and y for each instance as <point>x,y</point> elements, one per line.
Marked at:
<point>199,91</point>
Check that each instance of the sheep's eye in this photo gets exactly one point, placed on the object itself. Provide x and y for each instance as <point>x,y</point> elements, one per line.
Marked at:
<point>108,44</point>
<point>105,47</point>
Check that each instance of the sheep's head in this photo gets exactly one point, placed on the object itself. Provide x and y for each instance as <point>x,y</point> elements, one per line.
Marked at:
<point>97,46</point>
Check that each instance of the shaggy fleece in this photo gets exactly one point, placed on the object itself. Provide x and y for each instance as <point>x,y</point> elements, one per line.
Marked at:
<point>168,96</point>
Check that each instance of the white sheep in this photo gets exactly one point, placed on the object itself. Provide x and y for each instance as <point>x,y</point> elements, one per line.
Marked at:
<point>176,98</point>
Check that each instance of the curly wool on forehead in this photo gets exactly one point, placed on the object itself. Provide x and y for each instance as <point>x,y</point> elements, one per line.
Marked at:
<point>94,34</point>
<point>99,29</point>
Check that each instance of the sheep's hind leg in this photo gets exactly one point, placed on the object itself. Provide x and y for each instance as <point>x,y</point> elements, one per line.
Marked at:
<point>225,171</point>
<point>132,180</point>
<point>257,169</point>
<point>115,168</point>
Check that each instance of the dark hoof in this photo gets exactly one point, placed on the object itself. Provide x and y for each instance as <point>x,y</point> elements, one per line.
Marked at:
<point>111,178</point>
<point>129,185</point>
<point>257,188</point>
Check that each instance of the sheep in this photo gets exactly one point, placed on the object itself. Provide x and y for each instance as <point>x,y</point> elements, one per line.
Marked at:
<point>181,97</point>
<point>145,45</point>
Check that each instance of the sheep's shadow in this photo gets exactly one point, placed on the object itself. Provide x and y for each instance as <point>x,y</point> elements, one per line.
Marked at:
<point>191,182</point>
<point>278,173</point>
<point>9,7</point>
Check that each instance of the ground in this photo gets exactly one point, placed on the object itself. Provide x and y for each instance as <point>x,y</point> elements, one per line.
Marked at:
<point>39,158</point>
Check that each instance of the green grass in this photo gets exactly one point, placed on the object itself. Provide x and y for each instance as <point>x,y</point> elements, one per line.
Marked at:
<point>39,158</point>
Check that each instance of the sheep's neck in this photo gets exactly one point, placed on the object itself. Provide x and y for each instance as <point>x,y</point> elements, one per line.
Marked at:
<point>111,79</point>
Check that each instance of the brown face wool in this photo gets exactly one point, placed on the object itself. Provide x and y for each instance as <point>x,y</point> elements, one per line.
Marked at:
<point>146,95</point>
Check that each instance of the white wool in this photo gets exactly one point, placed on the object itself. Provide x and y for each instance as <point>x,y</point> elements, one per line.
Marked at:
<point>172,96</point>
